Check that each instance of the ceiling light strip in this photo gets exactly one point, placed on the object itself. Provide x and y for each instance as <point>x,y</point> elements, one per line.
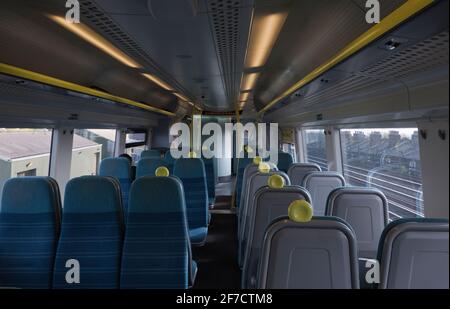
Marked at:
<point>405,11</point>
<point>41,78</point>
<point>95,39</point>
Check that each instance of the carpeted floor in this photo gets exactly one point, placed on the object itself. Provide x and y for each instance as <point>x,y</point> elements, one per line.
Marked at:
<point>217,259</point>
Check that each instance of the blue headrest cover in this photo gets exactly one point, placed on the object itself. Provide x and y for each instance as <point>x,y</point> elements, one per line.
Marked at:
<point>92,194</point>
<point>27,195</point>
<point>115,167</point>
<point>168,195</point>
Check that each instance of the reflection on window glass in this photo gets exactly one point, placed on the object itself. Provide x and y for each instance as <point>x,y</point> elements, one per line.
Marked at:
<point>290,148</point>
<point>315,148</point>
<point>387,159</point>
<point>135,152</point>
<point>24,152</point>
<point>90,146</point>
<point>132,138</point>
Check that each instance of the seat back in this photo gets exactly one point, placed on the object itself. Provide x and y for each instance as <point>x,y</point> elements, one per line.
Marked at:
<point>120,169</point>
<point>414,254</point>
<point>210,179</point>
<point>170,161</point>
<point>298,171</point>
<point>192,175</point>
<point>147,166</point>
<point>320,185</point>
<point>30,213</point>
<point>156,246</point>
<point>366,210</point>
<point>91,233</point>
<point>285,160</point>
<point>242,164</point>
<point>319,254</point>
<point>255,182</point>
<point>151,153</point>
<point>249,170</point>
<point>269,205</point>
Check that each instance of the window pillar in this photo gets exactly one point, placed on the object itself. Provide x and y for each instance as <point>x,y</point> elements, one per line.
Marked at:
<point>61,156</point>
<point>333,149</point>
<point>120,142</point>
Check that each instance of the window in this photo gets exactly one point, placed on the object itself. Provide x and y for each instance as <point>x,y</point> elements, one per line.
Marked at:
<point>24,152</point>
<point>27,173</point>
<point>316,148</point>
<point>135,142</point>
<point>90,146</point>
<point>290,148</point>
<point>387,159</point>
<point>135,152</point>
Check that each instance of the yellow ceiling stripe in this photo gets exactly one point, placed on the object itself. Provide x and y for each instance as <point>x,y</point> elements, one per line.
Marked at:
<point>41,78</point>
<point>405,11</point>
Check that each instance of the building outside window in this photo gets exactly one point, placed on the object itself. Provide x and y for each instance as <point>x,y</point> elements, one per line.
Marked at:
<point>316,148</point>
<point>24,152</point>
<point>90,146</point>
<point>389,160</point>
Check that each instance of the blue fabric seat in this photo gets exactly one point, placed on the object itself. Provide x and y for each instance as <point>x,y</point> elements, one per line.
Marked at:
<point>156,251</point>
<point>148,166</point>
<point>170,161</point>
<point>192,174</point>
<point>284,161</point>
<point>29,229</point>
<point>91,232</point>
<point>210,179</point>
<point>152,153</point>
<point>120,169</point>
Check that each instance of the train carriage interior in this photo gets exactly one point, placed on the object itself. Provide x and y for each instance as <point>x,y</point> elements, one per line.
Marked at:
<point>224,144</point>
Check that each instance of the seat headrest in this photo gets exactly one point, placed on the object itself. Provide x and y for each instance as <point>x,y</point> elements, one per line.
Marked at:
<point>92,194</point>
<point>276,182</point>
<point>257,160</point>
<point>189,168</point>
<point>300,211</point>
<point>27,195</point>
<point>151,153</point>
<point>115,167</point>
<point>148,166</point>
<point>264,167</point>
<point>168,195</point>
<point>168,157</point>
<point>162,171</point>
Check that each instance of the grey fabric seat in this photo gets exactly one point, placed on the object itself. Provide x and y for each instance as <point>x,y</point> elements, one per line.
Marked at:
<point>248,171</point>
<point>319,254</point>
<point>414,254</point>
<point>269,204</point>
<point>255,182</point>
<point>366,210</point>
<point>298,171</point>
<point>320,185</point>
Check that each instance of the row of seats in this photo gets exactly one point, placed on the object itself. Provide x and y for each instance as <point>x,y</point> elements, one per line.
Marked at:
<point>266,196</point>
<point>41,245</point>
<point>190,171</point>
<point>168,161</point>
<point>302,251</point>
